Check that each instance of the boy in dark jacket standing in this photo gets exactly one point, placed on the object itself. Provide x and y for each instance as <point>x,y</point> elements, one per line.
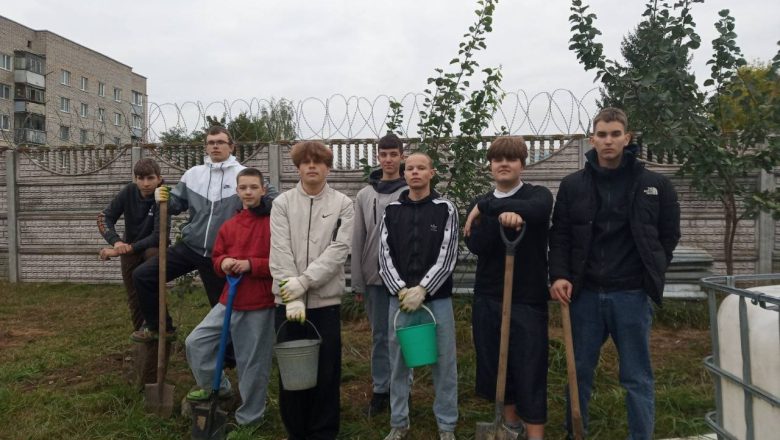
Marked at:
<point>615,226</point>
<point>419,249</point>
<point>135,201</point>
<point>385,185</point>
<point>242,247</point>
<point>512,205</point>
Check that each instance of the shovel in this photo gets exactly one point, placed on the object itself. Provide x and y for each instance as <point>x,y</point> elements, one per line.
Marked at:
<point>159,396</point>
<point>571,370</point>
<point>208,420</point>
<point>497,430</point>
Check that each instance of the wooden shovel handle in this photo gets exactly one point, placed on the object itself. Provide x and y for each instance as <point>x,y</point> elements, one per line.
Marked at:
<point>162,331</point>
<point>571,369</point>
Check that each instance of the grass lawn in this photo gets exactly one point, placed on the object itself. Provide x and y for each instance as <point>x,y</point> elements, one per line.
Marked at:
<point>65,360</point>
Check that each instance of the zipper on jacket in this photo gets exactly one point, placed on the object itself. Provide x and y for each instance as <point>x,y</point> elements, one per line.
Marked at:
<point>375,210</point>
<point>308,231</point>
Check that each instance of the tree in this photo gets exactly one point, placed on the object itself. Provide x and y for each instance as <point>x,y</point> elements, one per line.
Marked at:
<point>451,102</point>
<point>718,148</point>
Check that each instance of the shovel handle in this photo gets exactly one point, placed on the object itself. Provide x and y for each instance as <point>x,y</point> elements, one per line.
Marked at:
<point>162,331</point>
<point>223,337</point>
<point>571,369</point>
<point>511,245</point>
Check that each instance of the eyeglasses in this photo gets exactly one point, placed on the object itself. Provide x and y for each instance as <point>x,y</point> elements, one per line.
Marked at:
<point>219,143</point>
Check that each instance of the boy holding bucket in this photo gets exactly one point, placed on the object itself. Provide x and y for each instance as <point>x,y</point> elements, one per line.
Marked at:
<point>418,252</point>
<point>511,204</point>
<point>242,248</point>
<point>311,233</point>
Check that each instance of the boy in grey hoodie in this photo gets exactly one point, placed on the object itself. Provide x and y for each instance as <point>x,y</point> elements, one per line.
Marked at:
<point>385,185</point>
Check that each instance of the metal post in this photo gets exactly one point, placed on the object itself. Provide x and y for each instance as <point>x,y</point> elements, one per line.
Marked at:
<point>13,224</point>
<point>275,166</point>
<point>583,148</point>
<point>766,227</point>
<point>712,302</point>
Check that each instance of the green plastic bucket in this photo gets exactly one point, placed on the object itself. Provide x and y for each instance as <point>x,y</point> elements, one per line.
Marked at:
<point>298,361</point>
<point>417,341</point>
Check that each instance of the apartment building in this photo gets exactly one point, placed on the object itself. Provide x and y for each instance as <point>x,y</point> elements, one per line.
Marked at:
<point>56,92</point>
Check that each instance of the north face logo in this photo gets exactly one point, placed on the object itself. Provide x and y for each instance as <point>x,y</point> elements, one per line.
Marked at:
<point>651,191</point>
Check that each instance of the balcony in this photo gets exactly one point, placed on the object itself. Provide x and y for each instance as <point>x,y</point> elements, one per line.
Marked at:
<point>31,78</point>
<point>29,136</point>
<point>136,109</point>
<point>29,107</point>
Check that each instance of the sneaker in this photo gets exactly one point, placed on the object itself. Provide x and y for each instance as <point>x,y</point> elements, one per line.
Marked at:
<point>446,435</point>
<point>397,434</point>
<point>380,402</point>
<point>201,395</point>
<point>515,431</point>
<point>145,334</point>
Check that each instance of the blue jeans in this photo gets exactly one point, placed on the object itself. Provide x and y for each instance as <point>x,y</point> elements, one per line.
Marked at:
<point>376,300</point>
<point>445,370</point>
<point>626,316</point>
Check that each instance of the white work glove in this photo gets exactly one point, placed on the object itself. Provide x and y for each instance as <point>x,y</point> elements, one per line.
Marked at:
<point>412,298</point>
<point>291,289</point>
<point>162,194</point>
<point>296,311</point>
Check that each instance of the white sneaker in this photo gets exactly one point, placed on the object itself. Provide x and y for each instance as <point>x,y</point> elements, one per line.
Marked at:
<point>398,434</point>
<point>446,435</point>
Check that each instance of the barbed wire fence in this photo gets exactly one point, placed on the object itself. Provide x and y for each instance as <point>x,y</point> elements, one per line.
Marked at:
<point>338,116</point>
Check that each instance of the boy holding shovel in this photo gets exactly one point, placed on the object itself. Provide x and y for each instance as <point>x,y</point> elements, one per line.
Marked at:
<point>242,248</point>
<point>512,204</point>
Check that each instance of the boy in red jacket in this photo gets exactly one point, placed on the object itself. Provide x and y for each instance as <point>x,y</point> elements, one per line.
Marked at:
<point>242,247</point>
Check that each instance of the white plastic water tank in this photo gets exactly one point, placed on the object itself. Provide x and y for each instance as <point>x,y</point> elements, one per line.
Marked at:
<point>764,337</point>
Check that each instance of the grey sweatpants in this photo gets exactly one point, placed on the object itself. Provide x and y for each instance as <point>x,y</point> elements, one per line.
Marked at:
<point>253,338</point>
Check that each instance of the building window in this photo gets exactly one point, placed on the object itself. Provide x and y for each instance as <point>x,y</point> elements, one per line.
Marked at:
<point>101,114</point>
<point>138,98</point>
<point>100,138</point>
<point>64,132</point>
<point>25,92</point>
<point>5,91</point>
<point>117,94</point>
<point>65,105</point>
<point>84,83</point>
<point>117,119</point>
<point>83,136</point>
<point>84,110</point>
<point>101,89</point>
<point>137,121</point>
<point>5,122</point>
<point>117,141</point>
<point>5,61</point>
<point>65,78</point>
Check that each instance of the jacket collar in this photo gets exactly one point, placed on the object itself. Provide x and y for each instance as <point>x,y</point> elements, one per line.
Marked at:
<point>386,186</point>
<point>299,188</point>
<point>231,161</point>
<point>405,200</point>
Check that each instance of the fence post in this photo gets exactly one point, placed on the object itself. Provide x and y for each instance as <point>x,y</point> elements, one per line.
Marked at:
<point>275,166</point>
<point>583,148</point>
<point>766,227</point>
<point>135,156</point>
<point>13,224</point>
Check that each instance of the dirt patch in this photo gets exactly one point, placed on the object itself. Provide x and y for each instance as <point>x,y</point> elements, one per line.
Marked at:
<point>20,336</point>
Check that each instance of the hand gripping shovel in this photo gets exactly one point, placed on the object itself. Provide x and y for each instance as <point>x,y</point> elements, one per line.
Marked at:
<point>159,396</point>
<point>571,370</point>
<point>208,421</point>
<point>496,430</point>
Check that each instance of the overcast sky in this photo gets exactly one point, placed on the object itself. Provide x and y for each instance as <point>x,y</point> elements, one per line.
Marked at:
<point>227,50</point>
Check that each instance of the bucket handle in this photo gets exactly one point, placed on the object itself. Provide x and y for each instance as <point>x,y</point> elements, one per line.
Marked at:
<point>310,323</point>
<point>398,312</point>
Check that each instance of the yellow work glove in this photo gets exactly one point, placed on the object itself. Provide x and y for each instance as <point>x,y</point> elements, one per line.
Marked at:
<point>296,311</point>
<point>162,194</point>
<point>413,298</point>
<point>291,289</point>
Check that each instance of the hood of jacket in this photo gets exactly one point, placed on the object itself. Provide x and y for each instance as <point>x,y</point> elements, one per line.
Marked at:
<point>386,186</point>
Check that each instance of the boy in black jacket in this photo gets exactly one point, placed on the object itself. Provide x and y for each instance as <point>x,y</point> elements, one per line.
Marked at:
<point>512,204</point>
<point>135,201</point>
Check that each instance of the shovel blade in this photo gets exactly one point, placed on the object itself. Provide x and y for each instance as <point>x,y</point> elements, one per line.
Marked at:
<point>493,431</point>
<point>208,423</point>
<point>159,399</point>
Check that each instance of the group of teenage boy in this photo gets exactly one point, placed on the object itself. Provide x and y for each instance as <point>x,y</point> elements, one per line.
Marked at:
<point>614,227</point>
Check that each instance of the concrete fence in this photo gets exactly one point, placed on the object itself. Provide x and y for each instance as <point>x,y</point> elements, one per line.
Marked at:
<point>50,198</point>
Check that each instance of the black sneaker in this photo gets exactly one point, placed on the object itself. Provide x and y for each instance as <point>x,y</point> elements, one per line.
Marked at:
<point>380,402</point>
